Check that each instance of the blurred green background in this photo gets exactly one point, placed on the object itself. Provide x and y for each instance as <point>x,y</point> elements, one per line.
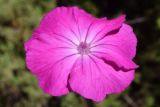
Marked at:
<point>19,88</point>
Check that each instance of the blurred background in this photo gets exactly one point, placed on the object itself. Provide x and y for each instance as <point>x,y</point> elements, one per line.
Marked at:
<point>19,88</point>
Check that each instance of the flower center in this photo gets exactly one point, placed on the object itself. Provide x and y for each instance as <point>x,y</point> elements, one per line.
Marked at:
<point>83,48</point>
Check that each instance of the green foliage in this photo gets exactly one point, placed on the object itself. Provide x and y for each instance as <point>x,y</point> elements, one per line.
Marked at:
<point>19,88</point>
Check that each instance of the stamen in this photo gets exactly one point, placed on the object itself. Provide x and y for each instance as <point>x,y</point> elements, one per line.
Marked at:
<point>83,48</point>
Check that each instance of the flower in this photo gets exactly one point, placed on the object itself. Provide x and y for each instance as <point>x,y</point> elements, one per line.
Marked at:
<point>72,51</point>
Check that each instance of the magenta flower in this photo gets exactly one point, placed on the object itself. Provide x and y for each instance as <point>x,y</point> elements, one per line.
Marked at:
<point>72,51</point>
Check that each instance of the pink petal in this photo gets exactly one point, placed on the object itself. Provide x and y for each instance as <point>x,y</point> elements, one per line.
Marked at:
<point>101,27</point>
<point>115,57</point>
<point>84,21</point>
<point>70,22</point>
<point>124,39</point>
<point>93,79</point>
<point>60,22</point>
<point>119,48</point>
<point>51,62</point>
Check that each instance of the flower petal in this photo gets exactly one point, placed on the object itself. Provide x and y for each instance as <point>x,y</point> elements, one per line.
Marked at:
<point>60,21</point>
<point>51,62</point>
<point>69,22</point>
<point>101,27</point>
<point>124,39</point>
<point>94,79</point>
<point>84,21</point>
<point>119,48</point>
